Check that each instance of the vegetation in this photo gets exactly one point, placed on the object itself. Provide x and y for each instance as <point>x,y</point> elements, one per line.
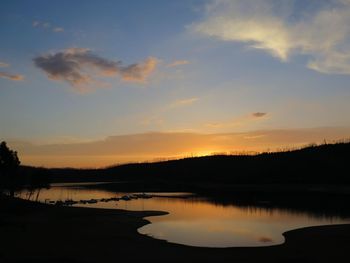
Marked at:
<point>313,177</point>
<point>14,177</point>
<point>323,164</point>
<point>312,171</point>
<point>8,158</point>
<point>9,164</point>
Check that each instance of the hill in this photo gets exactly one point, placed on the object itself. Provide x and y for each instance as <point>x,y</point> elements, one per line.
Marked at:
<point>315,164</point>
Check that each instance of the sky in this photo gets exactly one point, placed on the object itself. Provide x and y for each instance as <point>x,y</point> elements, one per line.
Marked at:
<point>95,83</point>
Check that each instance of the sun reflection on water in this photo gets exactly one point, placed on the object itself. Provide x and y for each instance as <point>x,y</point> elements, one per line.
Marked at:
<point>195,221</point>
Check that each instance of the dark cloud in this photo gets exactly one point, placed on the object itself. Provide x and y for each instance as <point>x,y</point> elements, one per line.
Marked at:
<point>259,114</point>
<point>79,66</point>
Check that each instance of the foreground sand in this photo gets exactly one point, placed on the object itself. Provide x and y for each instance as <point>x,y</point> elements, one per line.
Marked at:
<point>31,232</point>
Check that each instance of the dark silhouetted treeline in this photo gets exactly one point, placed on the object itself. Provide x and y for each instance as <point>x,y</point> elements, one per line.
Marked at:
<point>14,177</point>
<point>323,164</point>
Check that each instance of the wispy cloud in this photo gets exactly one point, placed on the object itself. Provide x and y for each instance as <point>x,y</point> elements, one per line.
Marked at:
<point>15,77</point>
<point>35,23</point>
<point>320,33</point>
<point>47,25</point>
<point>4,65</point>
<point>183,102</point>
<point>58,29</point>
<point>10,76</point>
<point>237,122</point>
<point>178,63</point>
<point>259,114</point>
<point>254,137</point>
<point>80,67</point>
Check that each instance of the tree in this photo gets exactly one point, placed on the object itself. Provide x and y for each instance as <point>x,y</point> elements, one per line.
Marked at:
<point>9,162</point>
<point>8,158</point>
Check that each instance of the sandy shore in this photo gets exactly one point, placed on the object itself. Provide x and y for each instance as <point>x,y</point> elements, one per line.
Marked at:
<point>38,233</point>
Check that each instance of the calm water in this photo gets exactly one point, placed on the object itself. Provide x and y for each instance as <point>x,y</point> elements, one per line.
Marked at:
<point>194,221</point>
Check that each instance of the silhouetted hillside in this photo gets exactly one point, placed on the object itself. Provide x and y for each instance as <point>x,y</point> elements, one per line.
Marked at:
<point>324,164</point>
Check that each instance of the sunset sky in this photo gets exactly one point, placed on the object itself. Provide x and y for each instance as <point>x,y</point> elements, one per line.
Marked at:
<point>93,83</point>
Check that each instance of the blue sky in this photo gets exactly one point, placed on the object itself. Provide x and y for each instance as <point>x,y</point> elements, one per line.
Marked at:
<point>77,71</point>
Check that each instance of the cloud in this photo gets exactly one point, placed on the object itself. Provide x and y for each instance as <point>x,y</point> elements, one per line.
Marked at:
<point>138,72</point>
<point>47,25</point>
<point>184,102</point>
<point>35,23</point>
<point>58,29</point>
<point>254,137</point>
<point>178,63</point>
<point>321,33</point>
<point>80,67</point>
<point>4,65</point>
<point>243,120</point>
<point>5,75</point>
<point>259,114</point>
<point>15,77</point>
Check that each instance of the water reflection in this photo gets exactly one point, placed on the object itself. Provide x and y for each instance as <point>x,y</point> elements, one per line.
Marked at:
<point>196,221</point>
<point>205,224</point>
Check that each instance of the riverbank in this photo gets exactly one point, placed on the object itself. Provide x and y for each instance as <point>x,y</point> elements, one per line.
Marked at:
<point>33,232</point>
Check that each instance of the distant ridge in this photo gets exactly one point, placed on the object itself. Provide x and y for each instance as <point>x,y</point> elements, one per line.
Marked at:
<point>314,164</point>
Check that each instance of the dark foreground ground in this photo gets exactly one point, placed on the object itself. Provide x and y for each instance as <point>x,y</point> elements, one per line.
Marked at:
<point>37,233</point>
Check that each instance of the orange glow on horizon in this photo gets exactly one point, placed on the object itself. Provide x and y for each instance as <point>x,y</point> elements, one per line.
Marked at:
<point>153,147</point>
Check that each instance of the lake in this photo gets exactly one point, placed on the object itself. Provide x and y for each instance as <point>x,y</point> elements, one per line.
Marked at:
<point>192,220</point>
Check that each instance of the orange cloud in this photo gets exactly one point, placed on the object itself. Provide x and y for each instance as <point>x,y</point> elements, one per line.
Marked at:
<point>237,122</point>
<point>139,72</point>
<point>15,77</point>
<point>184,102</point>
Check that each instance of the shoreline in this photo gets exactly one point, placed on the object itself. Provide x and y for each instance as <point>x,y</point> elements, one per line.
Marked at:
<point>45,233</point>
